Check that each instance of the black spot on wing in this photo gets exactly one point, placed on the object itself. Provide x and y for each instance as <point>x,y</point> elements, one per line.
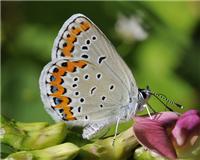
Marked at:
<point>84,48</point>
<point>92,90</point>
<point>101,59</point>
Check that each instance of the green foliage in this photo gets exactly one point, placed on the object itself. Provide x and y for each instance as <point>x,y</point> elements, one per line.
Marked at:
<point>65,151</point>
<point>30,136</point>
<point>142,154</point>
<point>40,141</point>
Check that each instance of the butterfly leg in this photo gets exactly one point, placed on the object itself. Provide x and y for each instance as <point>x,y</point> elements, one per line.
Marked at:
<point>116,129</point>
<point>94,130</point>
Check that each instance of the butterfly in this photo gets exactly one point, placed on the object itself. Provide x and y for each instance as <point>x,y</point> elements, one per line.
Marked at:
<point>87,83</point>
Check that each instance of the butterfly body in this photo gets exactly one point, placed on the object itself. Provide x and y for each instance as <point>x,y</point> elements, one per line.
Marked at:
<point>87,83</point>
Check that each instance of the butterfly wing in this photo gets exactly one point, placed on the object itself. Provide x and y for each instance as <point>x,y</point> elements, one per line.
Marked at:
<point>78,91</point>
<point>79,37</point>
<point>86,81</point>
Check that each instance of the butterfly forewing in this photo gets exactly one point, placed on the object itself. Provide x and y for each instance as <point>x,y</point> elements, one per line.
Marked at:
<point>79,37</point>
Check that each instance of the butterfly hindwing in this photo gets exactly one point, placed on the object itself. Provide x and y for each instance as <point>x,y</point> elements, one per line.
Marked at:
<point>76,90</point>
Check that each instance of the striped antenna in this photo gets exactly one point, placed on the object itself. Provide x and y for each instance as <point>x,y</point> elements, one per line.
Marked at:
<point>165,101</point>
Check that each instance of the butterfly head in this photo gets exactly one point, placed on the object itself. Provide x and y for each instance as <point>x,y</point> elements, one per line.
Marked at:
<point>143,97</point>
<point>145,94</point>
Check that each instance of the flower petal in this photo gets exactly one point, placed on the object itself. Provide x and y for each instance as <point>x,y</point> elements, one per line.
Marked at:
<point>187,126</point>
<point>153,135</point>
<point>167,119</point>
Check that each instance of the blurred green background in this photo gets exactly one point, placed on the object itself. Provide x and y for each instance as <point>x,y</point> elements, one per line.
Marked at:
<point>168,59</point>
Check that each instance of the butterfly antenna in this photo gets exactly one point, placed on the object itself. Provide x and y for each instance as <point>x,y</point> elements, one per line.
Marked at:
<point>116,129</point>
<point>162,97</point>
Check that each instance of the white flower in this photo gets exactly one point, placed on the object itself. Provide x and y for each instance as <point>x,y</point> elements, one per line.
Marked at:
<point>130,29</point>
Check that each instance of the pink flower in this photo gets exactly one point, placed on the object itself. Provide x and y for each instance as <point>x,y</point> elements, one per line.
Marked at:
<point>168,133</point>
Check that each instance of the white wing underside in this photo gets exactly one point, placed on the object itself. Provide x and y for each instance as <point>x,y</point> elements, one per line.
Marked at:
<point>101,47</point>
<point>113,71</point>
